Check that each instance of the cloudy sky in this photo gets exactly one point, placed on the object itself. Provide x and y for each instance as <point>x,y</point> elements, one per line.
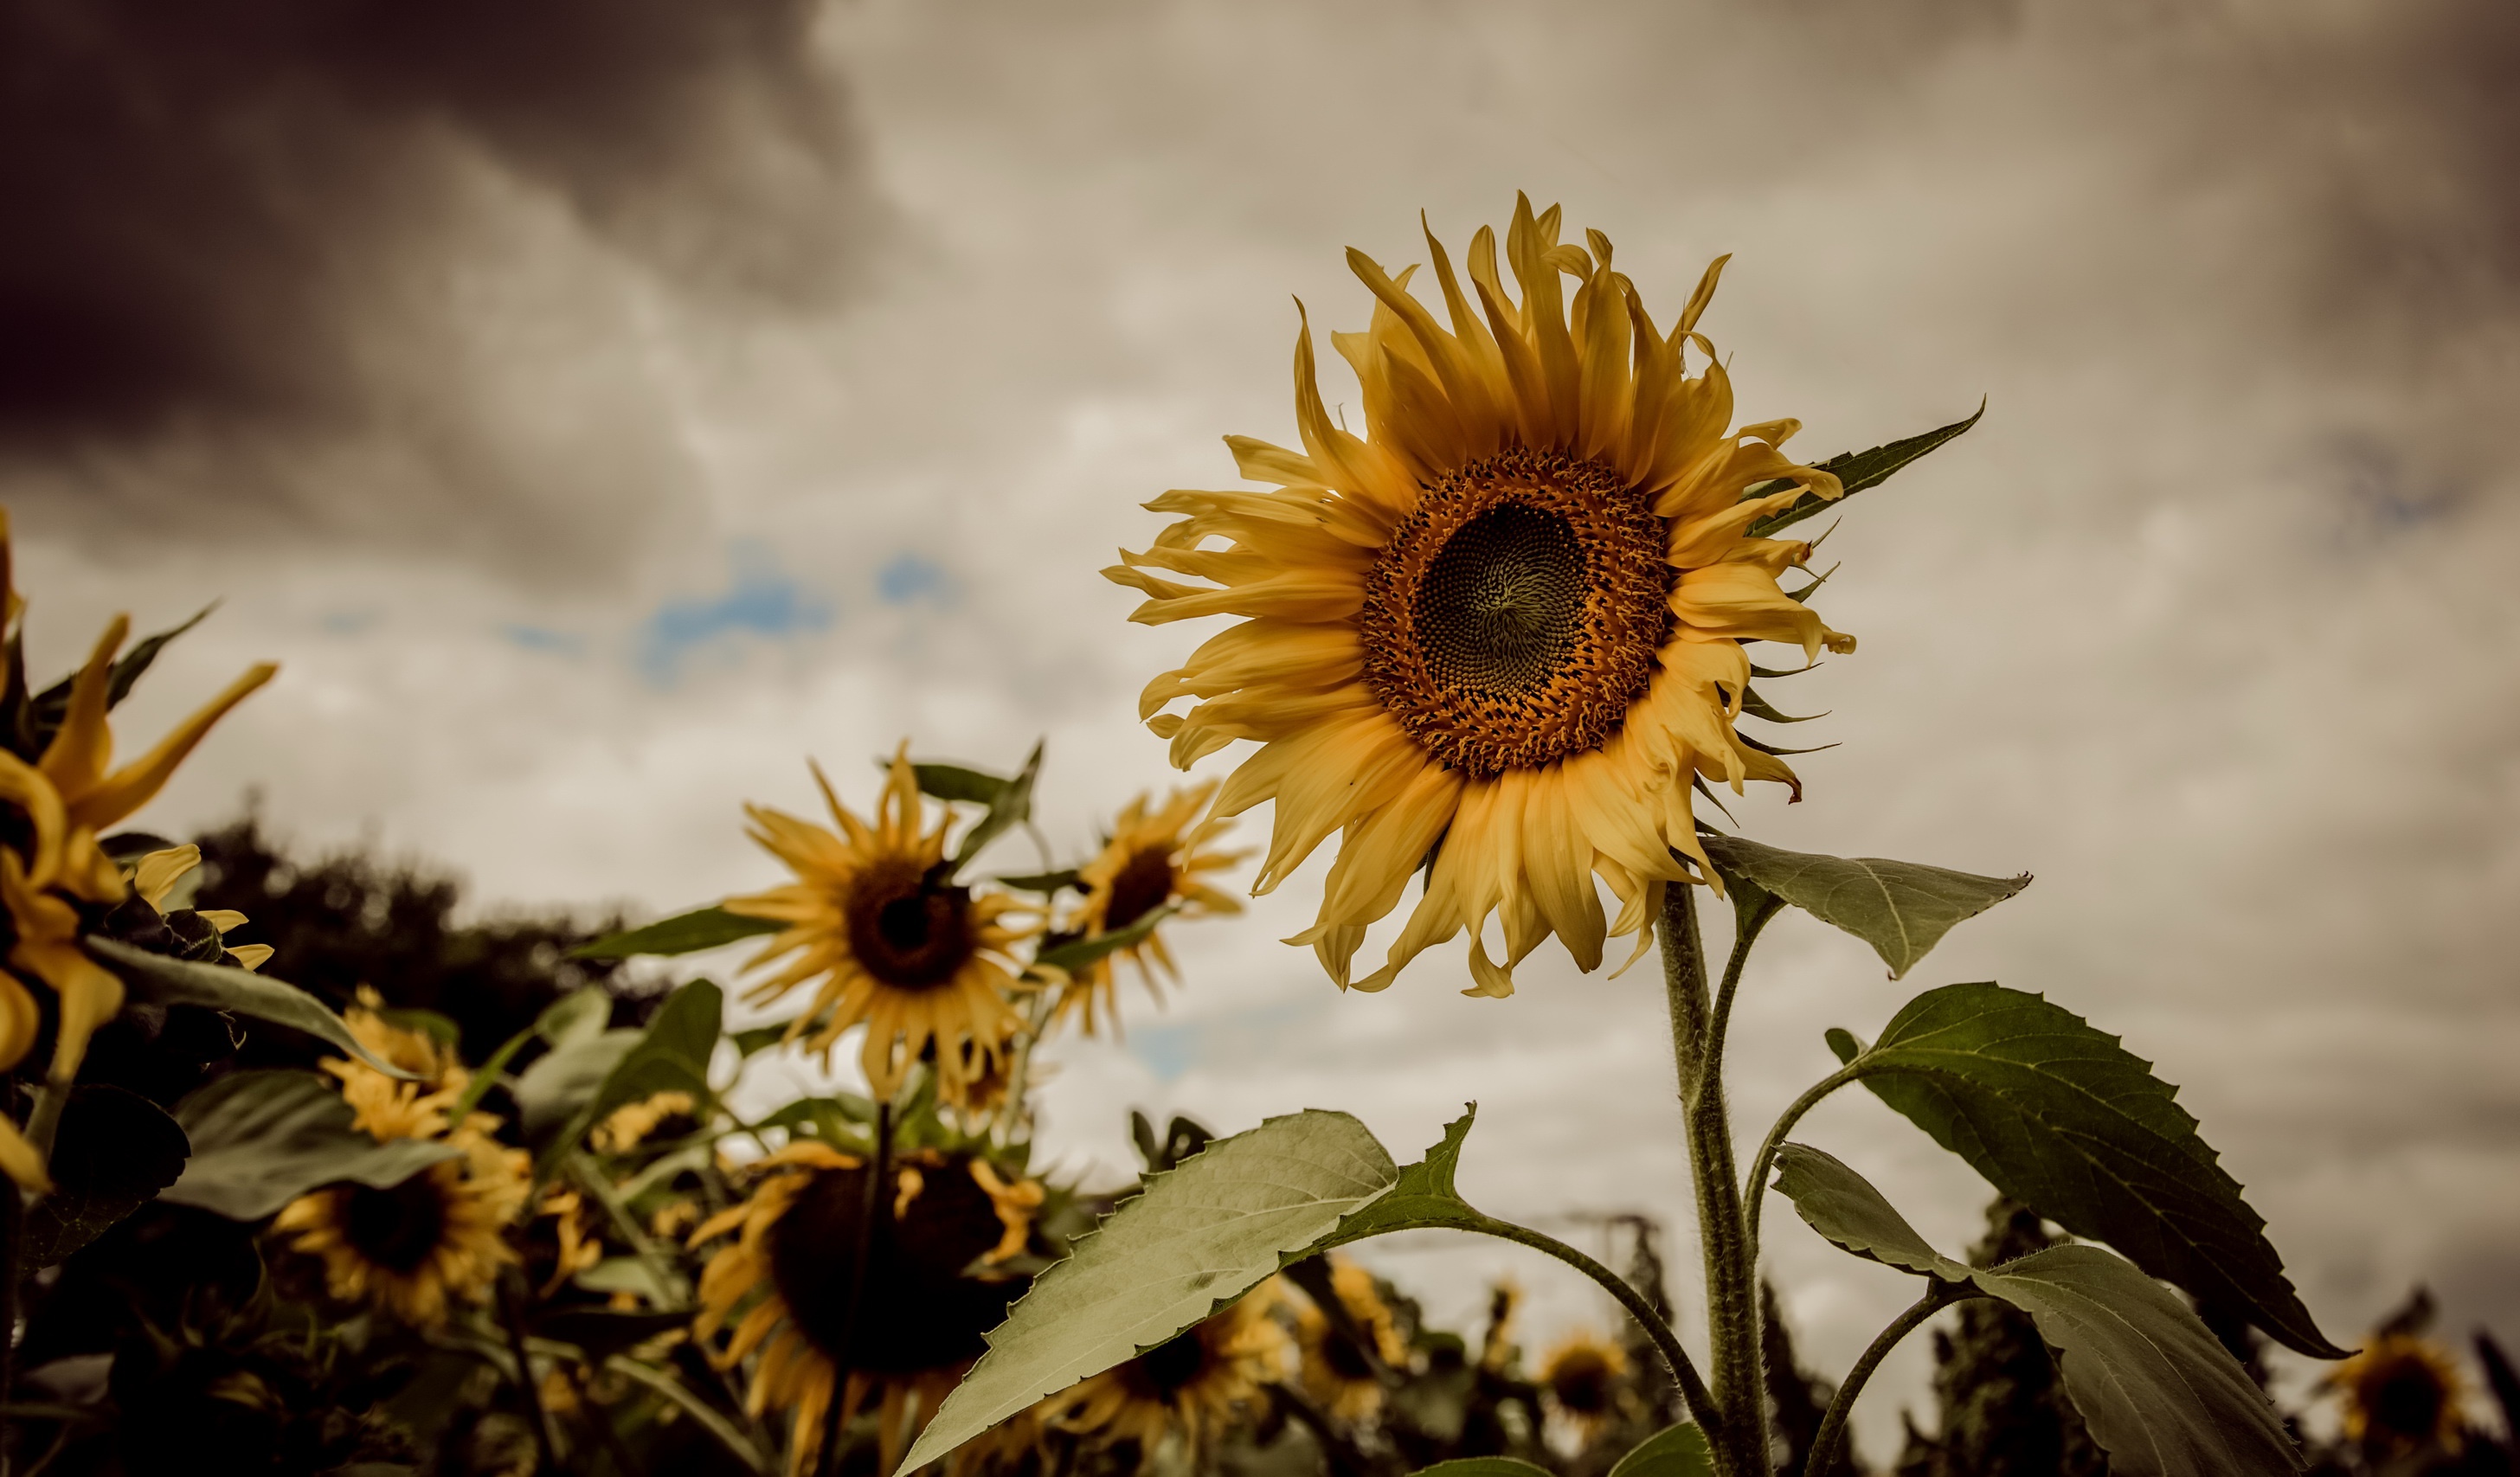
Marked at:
<point>597,408</point>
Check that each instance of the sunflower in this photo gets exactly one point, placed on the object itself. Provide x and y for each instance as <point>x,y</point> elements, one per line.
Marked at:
<point>1504,629</point>
<point>1153,860</point>
<point>630,1124</point>
<point>155,876</point>
<point>1581,1378</point>
<point>439,1237</point>
<point>51,862</point>
<point>414,1247</point>
<point>2400,1393</point>
<point>1197,1382</point>
<point>1337,1373</point>
<point>802,1236</point>
<point>888,940</point>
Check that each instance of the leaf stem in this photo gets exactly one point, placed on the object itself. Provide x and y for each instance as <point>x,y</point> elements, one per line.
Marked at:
<point>1755,1189</point>
<point>1738,1436</point>
<point>692,1404</point>
<point>1939,1295</point>
<point>1702,1405</point>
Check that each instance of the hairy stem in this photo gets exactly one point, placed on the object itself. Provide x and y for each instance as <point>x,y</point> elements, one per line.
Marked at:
<point>1939,1295</point>
<point>1701,1406</point>
<point>1755,1188</point>
<point>1739,1438</point>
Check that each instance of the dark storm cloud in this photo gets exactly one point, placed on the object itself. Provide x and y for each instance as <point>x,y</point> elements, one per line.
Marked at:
<point>246,245</point>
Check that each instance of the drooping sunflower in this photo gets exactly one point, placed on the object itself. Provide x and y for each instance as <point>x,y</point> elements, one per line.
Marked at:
<point>2400,1394</point>
<point>783,1284</point>
<point>1153,860</point>
<point>1198,1382</point>
<point>1504,627</point>
<point>918,958</point>
<point>1337,1373</point>
<point>1580,1377</point>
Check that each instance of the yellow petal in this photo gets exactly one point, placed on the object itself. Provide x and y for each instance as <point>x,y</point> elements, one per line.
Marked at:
<point>158,871</point>
<point>136,784</point>
<point>83,746</point>
<point>19,1161</point>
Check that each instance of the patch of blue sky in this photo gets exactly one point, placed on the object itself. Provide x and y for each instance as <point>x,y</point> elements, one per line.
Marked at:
<point>761,600</point>
<point>542,639</point>
<point>911,577</point>
<point>1171,1048</point>
<point>351,622</point>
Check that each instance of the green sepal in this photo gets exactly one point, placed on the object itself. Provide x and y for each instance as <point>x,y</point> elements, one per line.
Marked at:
<point>1856,470</point>
<point>684,933</point>
<point>1010,807</point>
<point>47,709</point>
<point>1758,707</point>
<point>1045,881</point>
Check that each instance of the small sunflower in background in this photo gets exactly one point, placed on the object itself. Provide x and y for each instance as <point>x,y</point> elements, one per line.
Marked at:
<point>1579,1379</point>
<point>783,1287</point>
<point>439,1237</point>
<point>414,1248</point>
<point>1337,1375</point>
<point>1197,1383</point>
<point>886,939</point>
<point>635,1123</point>
<point>1506,626</point>
<point>1153,860</point>
<point>2401,1394</point>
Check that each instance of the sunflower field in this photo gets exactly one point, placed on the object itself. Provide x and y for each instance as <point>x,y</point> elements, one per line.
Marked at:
<point>307,1180</point>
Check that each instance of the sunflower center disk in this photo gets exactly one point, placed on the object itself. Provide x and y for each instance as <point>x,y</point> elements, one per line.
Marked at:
<point>397,1228</point>
<point>906,933</point>
<point>1142,885</point>
<point>912,1309</point>
<point>1515,616</point>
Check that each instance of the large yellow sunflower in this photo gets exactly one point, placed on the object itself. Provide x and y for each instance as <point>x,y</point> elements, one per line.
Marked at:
<point>1198,1382</point>
<point>1153,860</point>
<point>783,1284</point>
<point>1505,626</point>
<point>438,1238</point>
<point>51,861</point>
<point>920,961</point>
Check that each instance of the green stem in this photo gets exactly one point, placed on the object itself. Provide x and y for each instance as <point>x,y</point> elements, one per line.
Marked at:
<point>1939,1295</point>
<point>512,1314</point>
<point>1755,1188</point>
<point>1746,935</point>
<point>698,1409</point>
<point>1701,1406</point>
<point>1739,1436</point>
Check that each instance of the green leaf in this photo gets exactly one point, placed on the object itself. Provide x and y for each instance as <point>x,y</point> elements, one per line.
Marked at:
<point>1845,1044</point>
<point>758,1038</point>
<point>671,1057</point>
<point>1856,470</point>
<point>2060,1116</point>
<point>1902,908</point>
<point>2161,1395</point>
<point>1483,1466</point>
<point>428,1023</point>
<point>1679,1451</point>
<point>954,783</point>
<point>1011,806</point>
<point>261,1139</point>
<point>1077,955</point>
<point>1421,1198</point>
<point>631,1275</point>
<point>579,1015</point>
<point>564,1079</point>
<point>839,1118</point>
<point>683,933</point>
<point>601,1331</point>
<point>161,981</point>
<point>1198,1239</point>
<point>116,1150</point>
<point>1046,882</point>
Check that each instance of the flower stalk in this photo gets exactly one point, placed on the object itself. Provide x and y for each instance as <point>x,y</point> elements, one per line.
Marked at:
<point>1739,1437</point>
